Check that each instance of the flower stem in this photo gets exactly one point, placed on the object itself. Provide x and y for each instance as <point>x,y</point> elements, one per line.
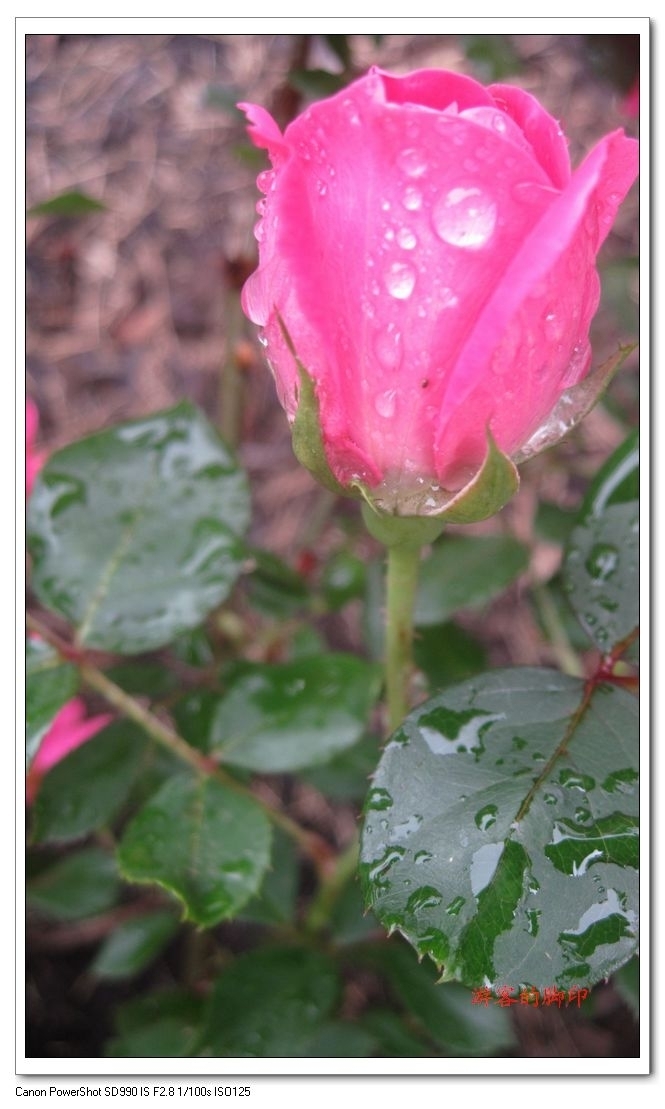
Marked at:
<point>401,584</point>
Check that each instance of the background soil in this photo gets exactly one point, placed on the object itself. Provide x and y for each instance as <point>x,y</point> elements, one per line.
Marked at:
<point>135,307</point>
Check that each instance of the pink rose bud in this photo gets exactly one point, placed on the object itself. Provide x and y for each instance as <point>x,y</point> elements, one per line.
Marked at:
<point>426,283</point>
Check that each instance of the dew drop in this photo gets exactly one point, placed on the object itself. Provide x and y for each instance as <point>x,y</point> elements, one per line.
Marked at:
<point>412,199</point>
<point>455,905</point>
<point>553,327</point>
<point>602,561</point>
<point>533,925</point>
<point>411,162</point>
<point>400,280</point>
<point>379,799</point>
<point>465,218</point>
<point>424,898</point>
<point>406,238</point>
<point>573,779</point>
<point>486,817</point>
<point>421,857</point>
<point>385,403</point>
<point>265,180</point>
<point>388,347</point>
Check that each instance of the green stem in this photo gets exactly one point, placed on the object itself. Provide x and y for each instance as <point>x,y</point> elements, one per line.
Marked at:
<point>401,585</point>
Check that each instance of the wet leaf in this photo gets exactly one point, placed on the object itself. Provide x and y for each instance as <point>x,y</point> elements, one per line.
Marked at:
<point>500,833</point>
<point>281,718</point>
<point>276,901</point>
<point>135,531</point>
<point>161,1025</point>
<point>395,1039</point>
<point>201,841</point>
<point>271,1003</point>
<point>274,587</point>
<point>79,885</point>
<point>466,572</point>
<point>626,982</point>
<point>444,1012</point>
<point>446,654</point>
<point>600,571</point>
<point>50,683</point>
<point>134,944</point>
<point>345,777</point>
<point>88,788</point>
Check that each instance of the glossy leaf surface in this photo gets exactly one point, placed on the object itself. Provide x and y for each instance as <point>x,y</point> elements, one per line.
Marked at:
<point>74,887</point>
<point>500,833</point>
<point>602,554</point>
<point>280,718</point>
<point>443,1012</point>
<point>134,944</point>
<point>134,532</point>
<point>161,1025</point>
<point>466,572</point>
<point>88,788</point>
<point>201,841</point>
<point>270,1004</point>
<point>50,683</point>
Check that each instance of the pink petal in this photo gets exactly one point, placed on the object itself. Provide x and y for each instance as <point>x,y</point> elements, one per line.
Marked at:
<point>34,460</point>
<point>530,341</point>
<point>432,88</point>
<point>263,130</point>
<point>69,730</point>
<point>542,131</point>
<point>378,249</point>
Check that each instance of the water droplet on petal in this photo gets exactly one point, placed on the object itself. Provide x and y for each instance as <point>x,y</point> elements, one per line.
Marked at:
<point>400,280</point>
<point>385,403</point>
<point>465,218</point>
<point>411,162</point>
<point>412,199</point>
<point>388,347</point>
<point>406,238</point>
<point>265,180</point>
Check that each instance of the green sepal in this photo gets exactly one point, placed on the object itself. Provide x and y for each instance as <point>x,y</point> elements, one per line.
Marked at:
<point>306,435</point>
<point>484,495</point>
<point>395,531</point>
<point>573,405</point>
<point>495,483</point>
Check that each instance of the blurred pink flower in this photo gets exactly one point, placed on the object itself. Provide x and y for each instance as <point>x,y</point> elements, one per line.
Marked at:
<point>68,731</point>
<point>34,460</point>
